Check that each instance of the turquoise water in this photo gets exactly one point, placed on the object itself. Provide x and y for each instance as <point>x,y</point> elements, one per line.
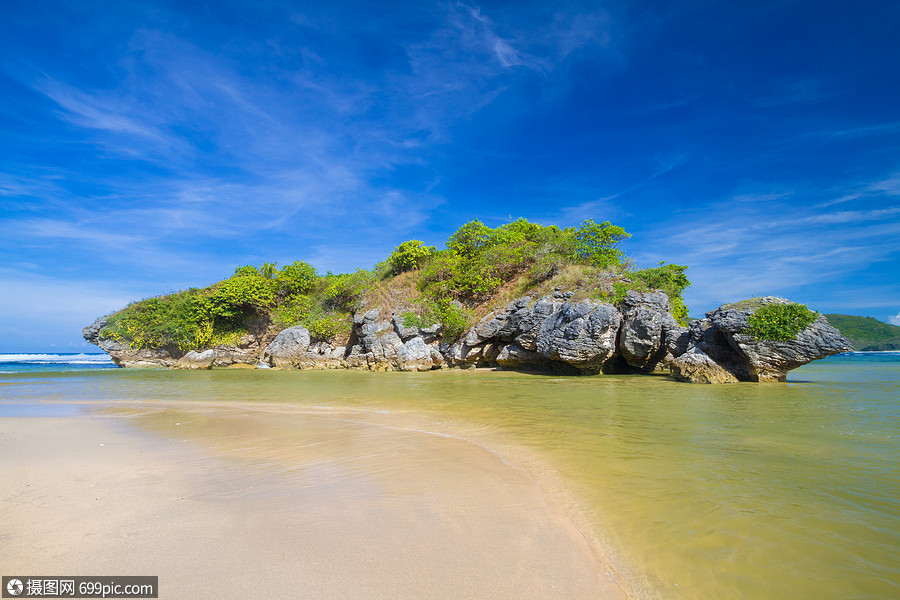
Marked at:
<point>731,491</point>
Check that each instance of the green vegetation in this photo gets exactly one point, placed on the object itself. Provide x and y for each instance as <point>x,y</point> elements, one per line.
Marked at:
<point>408,256</point>
<point>598,243</point>
<point>866,333</point>
<point>780,322</point>
<point>296,278</point>
<point>218,314</point>
<point>480,260</point>
<point>293,311</point>
<point>453,317</point>
<point>325,326</point>
<point>450,287</point>
<point>667,278</point>
<point>232,301</point>
<point>179,321</point>
<point>344,292</point>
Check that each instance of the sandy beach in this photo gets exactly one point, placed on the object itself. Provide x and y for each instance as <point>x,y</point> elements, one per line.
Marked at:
<point>231,502</point>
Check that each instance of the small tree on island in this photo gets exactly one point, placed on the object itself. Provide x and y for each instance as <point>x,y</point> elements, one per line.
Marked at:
<point>596,243</point>
<point>409,256</point>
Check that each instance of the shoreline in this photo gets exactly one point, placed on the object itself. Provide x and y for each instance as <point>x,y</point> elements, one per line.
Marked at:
<point>286,502</point>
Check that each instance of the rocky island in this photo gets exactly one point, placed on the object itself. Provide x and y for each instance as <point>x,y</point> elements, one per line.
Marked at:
<point>520,296</point>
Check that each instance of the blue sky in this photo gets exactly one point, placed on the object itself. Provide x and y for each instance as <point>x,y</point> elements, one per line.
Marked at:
<point>147,147</point>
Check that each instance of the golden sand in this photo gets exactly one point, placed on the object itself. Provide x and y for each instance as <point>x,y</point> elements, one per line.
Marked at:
<point>226,502</point>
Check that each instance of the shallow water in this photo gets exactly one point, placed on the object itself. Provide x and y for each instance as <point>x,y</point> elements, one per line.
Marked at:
<point>745,490</point>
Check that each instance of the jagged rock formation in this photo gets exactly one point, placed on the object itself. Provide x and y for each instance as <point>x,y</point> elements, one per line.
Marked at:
<point>719,349</point>
<point>245,352</point>
<point>555,332</point>
<point>122,354</point>
<point>376,344</point>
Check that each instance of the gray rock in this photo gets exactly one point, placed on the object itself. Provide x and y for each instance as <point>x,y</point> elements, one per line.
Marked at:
<point>695,366</point>
<point>288,347</point>
<point>732,318</point>
<point>677,338</point>
<point>529,322</point>
<point>770,360</point>
<point>513,321</point>
<point>385,346</point>
<point>430,334</point>
<point>405,333</point>
<point>197,360</point>
<point>552,333</point>
<point>454,353</point>
<point>122,354</point>
<point>642,340</point>
<point>226,356</point>
<point>145,358</point>
<point>335,352</point>
<point>369,316</point>
<point>91,333</point>
<point>723,338</point>
<point>491,352</point>
<point>415,355</point>
<point>482,331</point>
<point>514,356</point>
<point>437,359</point>
<point>503,325</point>
<point>581,334</point>
<point>462,355</point>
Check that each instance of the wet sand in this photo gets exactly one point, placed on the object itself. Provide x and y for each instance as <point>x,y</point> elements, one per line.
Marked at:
<point>230,502</point>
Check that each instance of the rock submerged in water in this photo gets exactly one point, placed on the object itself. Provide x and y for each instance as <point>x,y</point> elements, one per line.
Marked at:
<point>721,349</point>
<point>553,333</point>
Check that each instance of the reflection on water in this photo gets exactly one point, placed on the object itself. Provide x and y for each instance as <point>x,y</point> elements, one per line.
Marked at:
<point>744,490</point>
<point>316,448</point>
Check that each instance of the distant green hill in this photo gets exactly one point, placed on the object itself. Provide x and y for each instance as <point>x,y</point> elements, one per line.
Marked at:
<point>866,333</point>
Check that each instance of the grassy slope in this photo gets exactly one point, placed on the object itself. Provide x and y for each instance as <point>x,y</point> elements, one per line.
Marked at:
<point>866,333</point>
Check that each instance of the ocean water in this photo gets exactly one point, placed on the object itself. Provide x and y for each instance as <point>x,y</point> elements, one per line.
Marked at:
<point>731,491</point>
<point>48,363</point>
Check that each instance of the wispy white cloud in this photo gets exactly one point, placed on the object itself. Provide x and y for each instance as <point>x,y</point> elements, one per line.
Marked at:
<point>94,112</point>
<point>750,245</point>
<point>18,186</point>
<point>178,153</point>
<point>611,206</point>
<point>38,310</point>
<point>889,186</point>
<point>877,129</point>
<point>792,91</point>
<point>895,320</point>
<point>64,230</point>
<point>470,59</point>
<point>604,208</point>
<point>852,216</point>
<point>184,110</point>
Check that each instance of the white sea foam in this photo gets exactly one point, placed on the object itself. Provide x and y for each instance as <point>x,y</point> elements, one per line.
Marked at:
<point>56,359</point>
